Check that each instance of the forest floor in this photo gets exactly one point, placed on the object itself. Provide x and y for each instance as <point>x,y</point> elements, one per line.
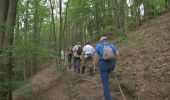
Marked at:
<point>142,69</point>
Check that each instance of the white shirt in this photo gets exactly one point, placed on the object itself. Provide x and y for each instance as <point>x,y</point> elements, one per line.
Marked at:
<point>88,49</point>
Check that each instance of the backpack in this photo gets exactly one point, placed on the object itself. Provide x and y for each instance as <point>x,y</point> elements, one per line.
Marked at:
<point>79,50</point>
<point>108,52</point>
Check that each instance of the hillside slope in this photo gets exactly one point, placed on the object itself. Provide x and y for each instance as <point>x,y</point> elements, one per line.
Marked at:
<point>144,63</point>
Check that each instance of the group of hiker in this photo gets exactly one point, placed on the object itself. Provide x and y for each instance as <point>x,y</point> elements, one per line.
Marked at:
<point>82,57</point>
<point>103,56</point>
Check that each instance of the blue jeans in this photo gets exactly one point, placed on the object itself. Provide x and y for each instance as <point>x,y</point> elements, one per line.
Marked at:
<point>105,68</point>
<point>77,63</point>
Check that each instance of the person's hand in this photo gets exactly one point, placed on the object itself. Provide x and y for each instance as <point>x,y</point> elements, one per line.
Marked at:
<point>116,55</point>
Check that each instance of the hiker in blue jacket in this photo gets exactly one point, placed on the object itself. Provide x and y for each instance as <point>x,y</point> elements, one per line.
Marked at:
<point>105,66</point>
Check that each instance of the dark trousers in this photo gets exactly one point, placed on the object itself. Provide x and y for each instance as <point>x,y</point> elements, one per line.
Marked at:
<point>69,61</point>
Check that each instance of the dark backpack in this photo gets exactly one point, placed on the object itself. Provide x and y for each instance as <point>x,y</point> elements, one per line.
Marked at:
<point>79,50</point>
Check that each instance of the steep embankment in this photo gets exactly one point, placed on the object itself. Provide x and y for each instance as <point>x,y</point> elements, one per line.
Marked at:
<point>145,60</point>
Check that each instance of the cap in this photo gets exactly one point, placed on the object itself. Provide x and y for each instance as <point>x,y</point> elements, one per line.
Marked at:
<point>103,38</point>
<point>79,43</point>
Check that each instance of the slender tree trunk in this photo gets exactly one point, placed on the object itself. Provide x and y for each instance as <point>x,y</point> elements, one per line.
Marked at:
<point>120,12</point>
<point>117,13</point>
<point>122,15</point>
<point>61,34</point>
<point>8,42</point>
<point>65,29</point>
<point>167,4</point>
<point>145,8</point>
<point>35,39</point>
<point>3,16</point>
<point>25,33</point>
<point>53,27</point>
<point>97,22</point>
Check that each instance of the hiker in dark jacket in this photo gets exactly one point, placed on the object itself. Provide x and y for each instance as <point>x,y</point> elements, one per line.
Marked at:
<point>105,65</point>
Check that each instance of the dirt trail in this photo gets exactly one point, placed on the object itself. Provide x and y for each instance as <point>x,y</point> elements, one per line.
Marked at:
<point>75,86</point>
<point>49,85</point>
<point>59,90</point>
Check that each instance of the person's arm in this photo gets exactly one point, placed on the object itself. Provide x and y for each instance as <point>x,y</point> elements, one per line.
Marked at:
<point>74,50</point>
<point>116,54</point>
<point>96,61</point>
<point>82,55</point>
<point>96,57</point>
<point>83,52</point>
<point>93,53</point>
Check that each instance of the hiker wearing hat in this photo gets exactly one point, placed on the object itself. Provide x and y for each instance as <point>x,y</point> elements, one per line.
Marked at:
<point>105,56</point>
<point>77,50</point>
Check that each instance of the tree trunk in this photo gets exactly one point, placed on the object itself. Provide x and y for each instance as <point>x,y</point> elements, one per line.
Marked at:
<point>97,22</point>
<point>25,67</point>
<point>61,34</point>
<point>120,11</point>
<point>53,27</point>
<point>8,42</point>
<point>122,15</point>
<point>167,4</point>
<point>35,39</point>
<point>65,28</point>
<point>146,7</point>
<point>3,16</point>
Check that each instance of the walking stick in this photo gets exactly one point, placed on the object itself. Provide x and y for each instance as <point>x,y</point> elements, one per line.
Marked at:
<point>119,87</point>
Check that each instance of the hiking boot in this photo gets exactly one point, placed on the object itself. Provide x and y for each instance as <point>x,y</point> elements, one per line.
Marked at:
<point>90,71</point>
<point>70,66</point>
<point>74,70</point>
<point>83,69</point>
<point>78,70</point>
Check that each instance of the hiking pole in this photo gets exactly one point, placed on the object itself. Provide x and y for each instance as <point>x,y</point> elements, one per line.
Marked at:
<point>119,87</point>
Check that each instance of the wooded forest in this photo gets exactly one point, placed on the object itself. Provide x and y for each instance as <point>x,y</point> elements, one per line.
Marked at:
<point>34,32</point>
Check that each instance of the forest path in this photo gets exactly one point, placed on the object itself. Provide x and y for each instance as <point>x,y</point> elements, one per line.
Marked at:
<point>75,86</point>
<point>59,90</point>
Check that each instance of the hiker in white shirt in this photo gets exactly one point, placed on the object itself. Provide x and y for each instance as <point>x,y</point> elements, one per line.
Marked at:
<point>87,57</point>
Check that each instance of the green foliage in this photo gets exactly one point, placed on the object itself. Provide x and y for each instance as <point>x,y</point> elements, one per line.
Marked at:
<point>121,38</point>
<point>26,90</point>
<point>17,84</point>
